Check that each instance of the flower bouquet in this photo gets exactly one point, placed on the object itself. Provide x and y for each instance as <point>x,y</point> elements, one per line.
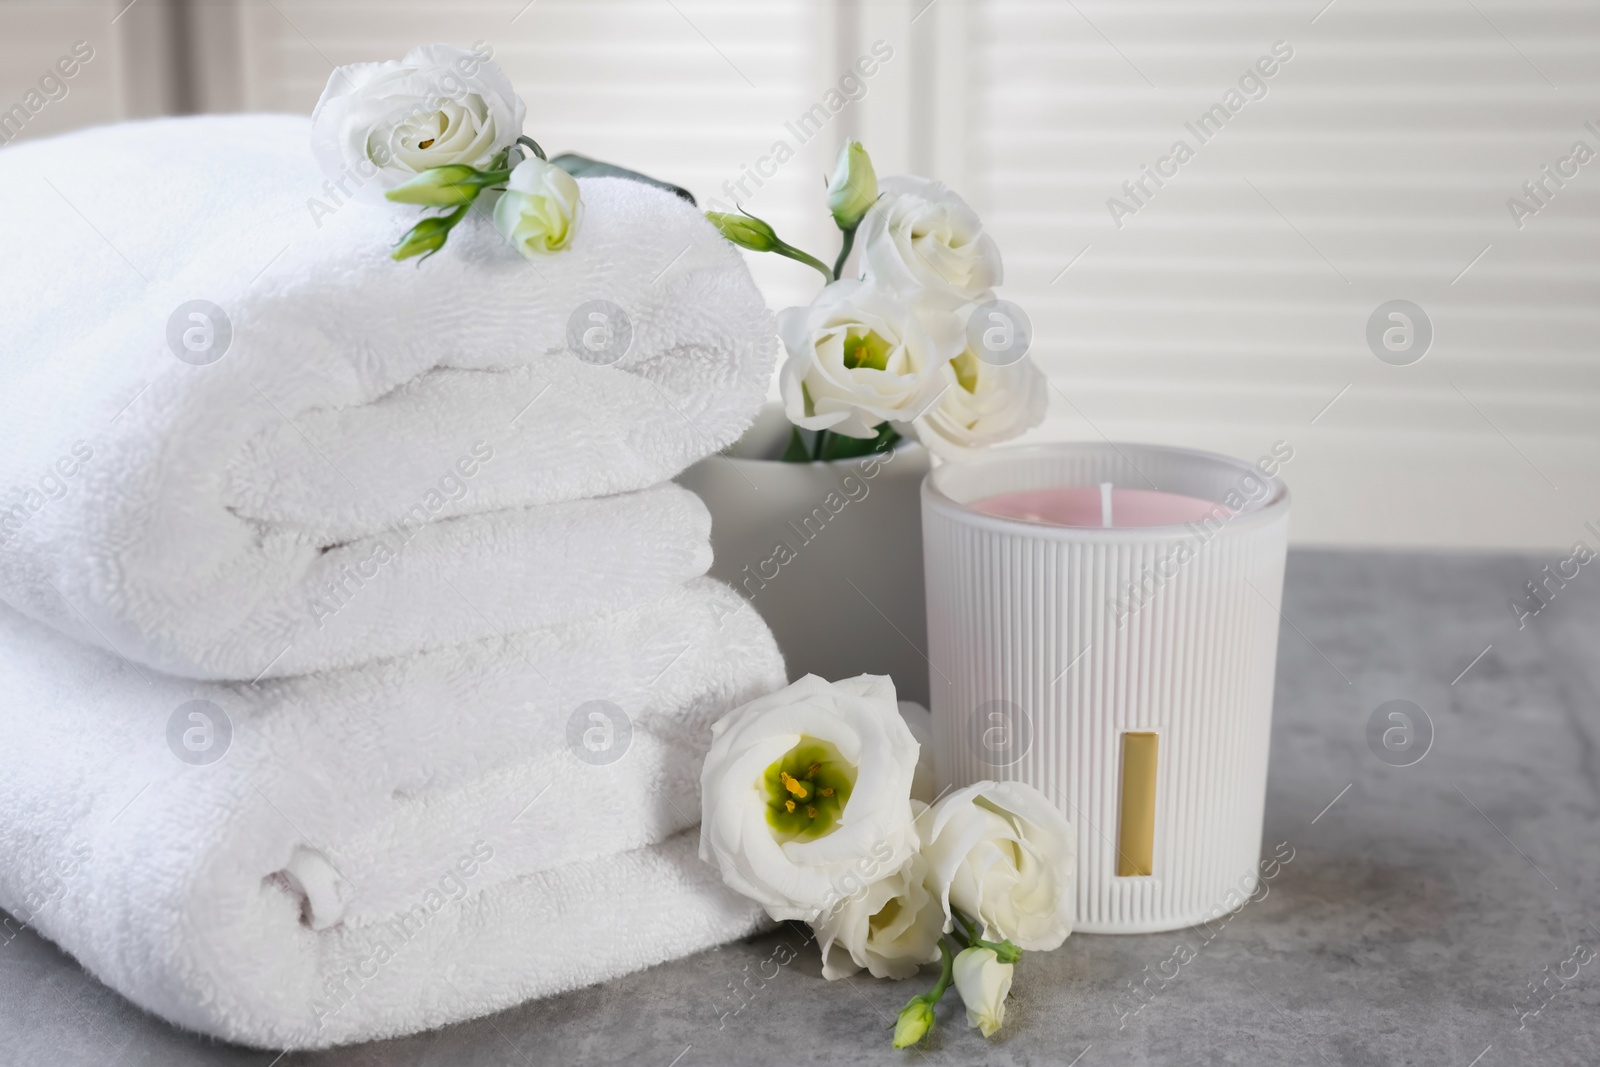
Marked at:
<point>816,804</point>
<point>918,344</point>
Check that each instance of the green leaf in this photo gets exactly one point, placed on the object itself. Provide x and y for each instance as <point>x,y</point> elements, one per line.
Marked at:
<point>584,167</point>
<point>797,451</point>
<point>839,446</point>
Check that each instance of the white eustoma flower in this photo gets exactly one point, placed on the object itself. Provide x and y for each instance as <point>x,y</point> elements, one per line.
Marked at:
<point>805,794</point>
<point>378,124</point>
<point>860,356</point>
<point>1003,855</point>
<point>891,927</point>
<point>987,404</point>
<point>538,212</point>
<point>922,242</point>
<point>984,983</point>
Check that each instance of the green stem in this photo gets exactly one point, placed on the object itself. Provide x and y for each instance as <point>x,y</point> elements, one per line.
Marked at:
<point>947,973</point>
<point>966,932</point>
<point>916,1019</point>
<point>844,250</point>
<point>801,257</point>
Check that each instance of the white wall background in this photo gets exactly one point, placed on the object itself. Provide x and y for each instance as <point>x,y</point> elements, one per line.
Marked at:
<point>1228,312</point>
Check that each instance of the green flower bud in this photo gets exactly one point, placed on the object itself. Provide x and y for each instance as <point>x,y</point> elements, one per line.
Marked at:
<point>449,186</point>
<point>854,187</point>
<point>757,235</point>
<point>916,1018</point>
<point>427,236</point>
<point>746,231</point>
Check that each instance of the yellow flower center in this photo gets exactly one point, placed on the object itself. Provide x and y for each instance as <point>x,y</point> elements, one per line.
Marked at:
<point>966,367</point>
<point>885,915</point>
<point>864,348</point>
<point>807,790</point>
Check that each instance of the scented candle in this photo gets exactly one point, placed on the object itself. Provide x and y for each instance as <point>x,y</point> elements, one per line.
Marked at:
<point>1102,624</point>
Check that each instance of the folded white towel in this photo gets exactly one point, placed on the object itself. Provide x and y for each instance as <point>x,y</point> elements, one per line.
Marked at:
<point>353,392</point>
<point>281,611</point>
<point>504,788</point>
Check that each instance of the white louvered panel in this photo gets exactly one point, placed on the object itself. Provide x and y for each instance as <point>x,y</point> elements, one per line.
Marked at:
<point>689,91</point>
<point>1391,142</point>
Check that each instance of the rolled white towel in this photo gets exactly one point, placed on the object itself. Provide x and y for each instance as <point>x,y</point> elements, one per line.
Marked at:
<point>351,392</point>
<point>223,854</point>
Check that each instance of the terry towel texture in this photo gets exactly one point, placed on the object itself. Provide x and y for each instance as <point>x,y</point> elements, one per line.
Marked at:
<point>454,807</point>
<point>149,503</point>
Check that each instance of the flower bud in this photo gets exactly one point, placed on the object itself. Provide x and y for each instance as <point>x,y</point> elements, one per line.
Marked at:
<point>984,983</point>
<point>427,236</point>
<point>854,187</point>
<point>540,209</point>
<point>746,231</point>
<point>914,1022</point>
<point>449,186</point>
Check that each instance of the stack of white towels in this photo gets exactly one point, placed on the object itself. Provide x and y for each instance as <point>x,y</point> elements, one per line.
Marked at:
<point>356,656</point>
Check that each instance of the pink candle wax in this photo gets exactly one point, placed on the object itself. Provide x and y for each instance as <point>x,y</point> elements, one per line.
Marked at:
<point>1092,505</point>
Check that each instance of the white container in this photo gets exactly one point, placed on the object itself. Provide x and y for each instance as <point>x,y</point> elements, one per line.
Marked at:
<point>1042,665</point>
<point>830,554</point>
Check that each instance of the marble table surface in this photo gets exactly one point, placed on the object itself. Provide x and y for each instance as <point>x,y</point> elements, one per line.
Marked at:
<point>1422,905</point>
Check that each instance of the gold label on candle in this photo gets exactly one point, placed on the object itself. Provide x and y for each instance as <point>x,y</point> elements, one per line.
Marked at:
<point>1136,831</point>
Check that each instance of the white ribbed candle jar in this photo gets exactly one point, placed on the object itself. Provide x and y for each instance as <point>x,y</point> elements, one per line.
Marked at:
<point>1050,645</point>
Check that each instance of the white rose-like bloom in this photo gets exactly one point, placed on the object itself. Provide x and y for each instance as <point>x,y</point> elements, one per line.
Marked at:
<point>921,241</point>
<point>984,983</point>
<point>380,124</point>
<point>860,356</point>
<point>1003,855</point>
<point>987,405</point>
<point>805,794</point>
<point>891,927</point>
<point>538,212</point>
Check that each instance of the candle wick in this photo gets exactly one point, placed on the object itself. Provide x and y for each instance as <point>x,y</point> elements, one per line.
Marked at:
<point>1105,504</point>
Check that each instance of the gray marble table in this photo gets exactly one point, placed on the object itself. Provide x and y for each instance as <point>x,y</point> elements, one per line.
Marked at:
<point>1422,905</point>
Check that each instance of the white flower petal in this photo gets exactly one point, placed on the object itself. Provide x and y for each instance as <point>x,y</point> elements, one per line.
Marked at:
<point>874,833</point>
<point>923,242</point>
<point>1001,853</point>
<point>369,127</point>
